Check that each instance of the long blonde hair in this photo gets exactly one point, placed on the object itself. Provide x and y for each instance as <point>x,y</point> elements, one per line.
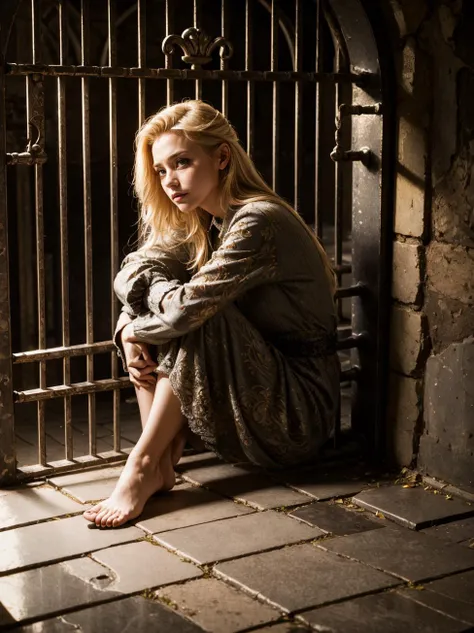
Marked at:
<point>161,223</point>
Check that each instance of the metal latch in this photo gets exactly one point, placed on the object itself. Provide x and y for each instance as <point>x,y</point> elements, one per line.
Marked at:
<point>33,155</point>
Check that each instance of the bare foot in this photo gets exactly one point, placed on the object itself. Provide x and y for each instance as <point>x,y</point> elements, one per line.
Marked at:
<point>140,479</point>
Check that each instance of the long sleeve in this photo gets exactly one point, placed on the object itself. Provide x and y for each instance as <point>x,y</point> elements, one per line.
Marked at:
<point>138,270</point>
<point>141,268</point>
<point>245,259</point>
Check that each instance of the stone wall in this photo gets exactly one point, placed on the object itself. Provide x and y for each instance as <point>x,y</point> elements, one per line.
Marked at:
<point>430,421</point>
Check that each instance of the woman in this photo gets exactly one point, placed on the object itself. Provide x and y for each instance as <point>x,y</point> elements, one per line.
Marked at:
<point>233,295</point>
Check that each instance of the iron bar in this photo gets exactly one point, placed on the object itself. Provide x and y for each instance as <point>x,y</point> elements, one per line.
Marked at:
<point>87,202</point>
<point>7,430</point>
<point>250,83</point>
<point>350,291</point>
<point>318,176</point>
<point>168,58</point>
<point>298,107</point>
<point>170,74</point>
<point>62,352</point>
<point>276,94</point>
<point>63,223</point>
<point>28,473</point>
<point>141,34</point>
<point>224,62</point>
<point>351,342</point>
<point>197,6</point>
<point>35,118</point>
<point>75,389</point>
<point>339,192</point>
<point>114,236</point>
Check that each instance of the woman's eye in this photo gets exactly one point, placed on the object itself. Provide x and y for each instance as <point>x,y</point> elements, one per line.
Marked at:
<point>161,173</point>
<point>182,162</point>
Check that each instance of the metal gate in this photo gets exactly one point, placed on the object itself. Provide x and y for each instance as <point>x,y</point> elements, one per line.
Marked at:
<point>76,80</point>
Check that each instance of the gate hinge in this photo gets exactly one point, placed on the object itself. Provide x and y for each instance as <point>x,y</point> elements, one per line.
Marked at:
<point>364,154</point>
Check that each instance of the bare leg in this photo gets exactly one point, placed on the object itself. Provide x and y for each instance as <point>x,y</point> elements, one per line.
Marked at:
<point>145,397</point>
<point>149,467</point>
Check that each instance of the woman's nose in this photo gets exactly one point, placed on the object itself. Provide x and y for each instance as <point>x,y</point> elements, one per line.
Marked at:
<point>170,179</point>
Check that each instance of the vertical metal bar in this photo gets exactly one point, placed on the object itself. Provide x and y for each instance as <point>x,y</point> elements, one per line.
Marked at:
<point>318,136</point>
<point>168,58</point>
<point>250,84</point>
<point>197,16</point>
<point>224,62</point>
<point>113,182</point>
<point>35,118</point>
<point>276,94</point>
<point>298,106</point>
<point>87,202</point>
<point>7,429</point>
<point>63,224</point>
<point>338,184</point>
<point>141,15</point>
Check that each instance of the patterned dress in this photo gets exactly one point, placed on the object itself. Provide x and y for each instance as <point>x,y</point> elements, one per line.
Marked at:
<point>248,342</point>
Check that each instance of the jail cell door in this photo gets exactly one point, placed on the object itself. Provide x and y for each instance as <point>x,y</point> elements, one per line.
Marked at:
<point>302,88</point>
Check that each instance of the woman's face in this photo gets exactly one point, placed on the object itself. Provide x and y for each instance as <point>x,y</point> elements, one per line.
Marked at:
<point>188,174</point>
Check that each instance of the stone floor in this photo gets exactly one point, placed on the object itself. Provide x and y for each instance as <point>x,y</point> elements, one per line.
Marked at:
<point>232,548</point>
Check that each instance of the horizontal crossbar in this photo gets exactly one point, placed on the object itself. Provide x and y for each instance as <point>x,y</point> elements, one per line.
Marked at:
<point>173,73</point>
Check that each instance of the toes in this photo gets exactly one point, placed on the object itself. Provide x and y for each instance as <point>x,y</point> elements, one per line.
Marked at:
<point>112,518</point>
<point>100,515</point>
<point>92,513</point>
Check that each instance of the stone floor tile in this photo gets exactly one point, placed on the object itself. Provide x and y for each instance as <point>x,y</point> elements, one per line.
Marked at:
<point>187,505</point>
<point>334,519</point>
<point>323,486</point>
<point>387,612</point>
<point>453,595</point>
<point>285,627</point>
<point>56,625</point>
<point>457,609</point>
<point>88,485</point>
<point>245,484</point>
<point>28,505</point>
<point>407,554</point>
<point>225,539</point>
<point>38,593</point>
<point>412,507</point>
<point>217,607</point>
<point>26,453</point>
<point>139,566</point>
<point>456,532</point>
<point>132,614</point>
<point>198,460</point>
<point>54,540</point>
<point>303,576</point>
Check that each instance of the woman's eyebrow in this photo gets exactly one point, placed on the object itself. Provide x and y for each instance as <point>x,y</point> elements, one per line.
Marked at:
<point>171,157</point>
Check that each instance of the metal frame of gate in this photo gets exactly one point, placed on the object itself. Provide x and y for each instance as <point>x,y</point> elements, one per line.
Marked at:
<point>358,66</point>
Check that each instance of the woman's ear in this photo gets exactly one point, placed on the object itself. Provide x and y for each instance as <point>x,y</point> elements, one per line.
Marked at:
<point>223,155</point>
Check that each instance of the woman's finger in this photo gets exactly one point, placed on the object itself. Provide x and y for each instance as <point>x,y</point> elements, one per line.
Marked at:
<point>146,355</point>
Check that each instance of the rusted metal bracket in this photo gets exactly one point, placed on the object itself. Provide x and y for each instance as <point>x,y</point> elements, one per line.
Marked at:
<point>364,154</point>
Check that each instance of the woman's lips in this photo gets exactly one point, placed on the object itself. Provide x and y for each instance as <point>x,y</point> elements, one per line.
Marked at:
<point>179,196</point>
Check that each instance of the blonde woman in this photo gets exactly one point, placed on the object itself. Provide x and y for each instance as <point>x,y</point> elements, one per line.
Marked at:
<point>228,328</point>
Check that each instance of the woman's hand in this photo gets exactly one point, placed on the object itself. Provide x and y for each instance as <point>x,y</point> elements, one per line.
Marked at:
<point>140,365</point>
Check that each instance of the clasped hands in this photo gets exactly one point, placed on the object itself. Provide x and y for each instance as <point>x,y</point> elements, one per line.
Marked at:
<point>139,362</point>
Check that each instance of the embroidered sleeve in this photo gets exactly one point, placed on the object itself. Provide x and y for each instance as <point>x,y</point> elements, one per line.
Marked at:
<point>141,268</point>
<point>245,259</point>
<point>138,271</point>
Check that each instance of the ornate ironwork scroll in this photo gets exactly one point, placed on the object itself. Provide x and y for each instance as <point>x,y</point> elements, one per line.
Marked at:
<point>197,47</point>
